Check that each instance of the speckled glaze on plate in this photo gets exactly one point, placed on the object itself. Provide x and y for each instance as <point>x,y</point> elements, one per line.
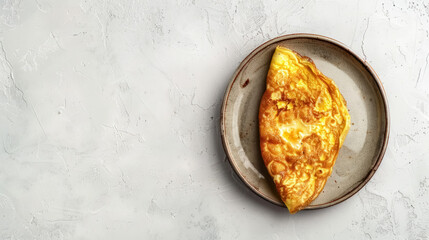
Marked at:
<point>365,143</point>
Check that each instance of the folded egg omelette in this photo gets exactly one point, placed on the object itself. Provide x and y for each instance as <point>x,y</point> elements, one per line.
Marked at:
<point>303,121</point>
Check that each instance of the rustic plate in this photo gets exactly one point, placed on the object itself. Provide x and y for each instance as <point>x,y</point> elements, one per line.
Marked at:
<point>366,141</point>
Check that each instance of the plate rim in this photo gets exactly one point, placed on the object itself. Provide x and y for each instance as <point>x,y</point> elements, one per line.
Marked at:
<point>370,70</point>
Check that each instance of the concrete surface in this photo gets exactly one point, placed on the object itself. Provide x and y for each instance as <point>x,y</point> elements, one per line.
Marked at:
<point>109,115</point>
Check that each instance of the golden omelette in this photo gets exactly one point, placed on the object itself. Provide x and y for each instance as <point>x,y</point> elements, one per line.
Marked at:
<point>303,121</point>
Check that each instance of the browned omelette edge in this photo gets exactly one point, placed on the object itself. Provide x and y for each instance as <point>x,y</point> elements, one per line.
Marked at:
<point>347,50</point>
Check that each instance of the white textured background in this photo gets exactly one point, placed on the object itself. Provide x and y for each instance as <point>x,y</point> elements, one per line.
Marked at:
<point>109,115</point>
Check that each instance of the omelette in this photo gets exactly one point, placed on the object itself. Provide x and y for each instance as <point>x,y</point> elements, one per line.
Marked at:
<point>303,121</point>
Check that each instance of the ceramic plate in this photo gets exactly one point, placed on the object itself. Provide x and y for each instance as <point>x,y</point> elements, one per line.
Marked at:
<point>366,141</point>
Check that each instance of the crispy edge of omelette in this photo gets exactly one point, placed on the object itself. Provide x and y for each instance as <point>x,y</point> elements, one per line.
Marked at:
<point>336,97</point>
